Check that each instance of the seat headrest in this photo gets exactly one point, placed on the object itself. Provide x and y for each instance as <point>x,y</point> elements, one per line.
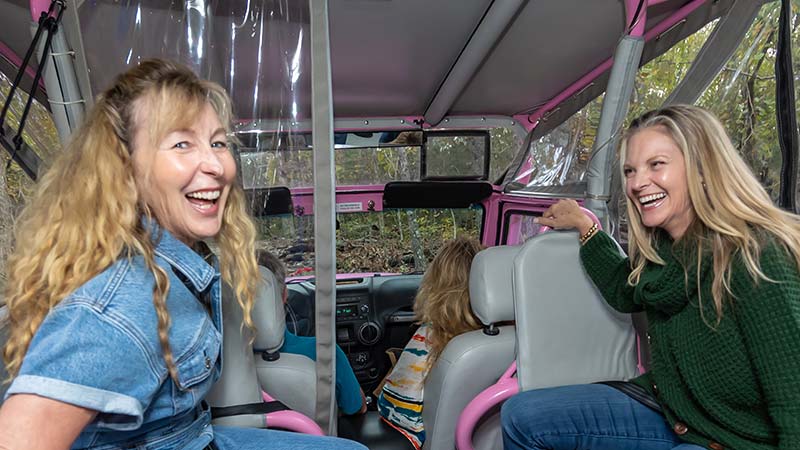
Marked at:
<point>268,313</point>
<point>490,291</point>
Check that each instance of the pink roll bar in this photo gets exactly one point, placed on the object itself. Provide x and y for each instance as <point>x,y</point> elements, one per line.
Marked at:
<point>637,24</point>
<point>505,388</point>
<point>15,60</point>
<point>530,121</point>
<point>38,7</point>
<point>290,420</point>
<point>585,211</point>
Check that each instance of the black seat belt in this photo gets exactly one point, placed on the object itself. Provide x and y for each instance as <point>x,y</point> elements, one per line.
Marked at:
<point>250,408</point>
<point>786,111</point>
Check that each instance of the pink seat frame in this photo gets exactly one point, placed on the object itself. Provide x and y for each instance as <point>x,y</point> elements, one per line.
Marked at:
<point>505,388</point>
<point>290,420</point>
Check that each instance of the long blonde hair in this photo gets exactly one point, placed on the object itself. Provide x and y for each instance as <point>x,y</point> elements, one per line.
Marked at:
<point>87,211</point>
<point>732,210</point>
<point>442,301</point>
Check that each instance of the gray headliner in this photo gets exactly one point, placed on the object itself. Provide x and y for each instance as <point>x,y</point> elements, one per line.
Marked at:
<point>575,38</point>
<point>408,71</point>
<point>389,57</point>
<point>15,26</point>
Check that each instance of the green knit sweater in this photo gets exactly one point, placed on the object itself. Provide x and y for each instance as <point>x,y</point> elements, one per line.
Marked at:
<point>737,384</point>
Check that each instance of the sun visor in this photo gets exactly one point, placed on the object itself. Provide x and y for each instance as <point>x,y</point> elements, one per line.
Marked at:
<point>269,201</point>
<point>435,194</point>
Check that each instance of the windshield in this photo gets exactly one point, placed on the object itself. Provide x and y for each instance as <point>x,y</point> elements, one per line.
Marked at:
<point>354,166</point>
<point>388,241</point>
<point>376,158</point>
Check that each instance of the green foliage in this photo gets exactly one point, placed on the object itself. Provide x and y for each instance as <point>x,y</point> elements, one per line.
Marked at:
<point>505,145</point>
<point>360,166</point>
<point>15,186</point>
<point>273,163</point>
<point>393,240</point>
<point>459,156</point>
<point>39,133</point>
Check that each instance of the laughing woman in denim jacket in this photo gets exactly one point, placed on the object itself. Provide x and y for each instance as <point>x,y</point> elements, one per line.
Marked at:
<point>114,301</point>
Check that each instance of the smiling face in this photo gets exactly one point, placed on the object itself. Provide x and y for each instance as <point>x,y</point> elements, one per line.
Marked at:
<point>186,175</point>
<point>656,183</point>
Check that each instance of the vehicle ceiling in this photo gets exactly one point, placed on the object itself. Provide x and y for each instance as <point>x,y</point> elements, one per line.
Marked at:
<point>389,57</point>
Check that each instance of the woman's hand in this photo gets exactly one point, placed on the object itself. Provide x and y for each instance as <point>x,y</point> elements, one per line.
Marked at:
<point>363,409</point>
<point>566,215</point>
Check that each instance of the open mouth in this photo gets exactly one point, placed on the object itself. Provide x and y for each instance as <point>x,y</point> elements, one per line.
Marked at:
<point>652,200</point>
<point>204,200</point>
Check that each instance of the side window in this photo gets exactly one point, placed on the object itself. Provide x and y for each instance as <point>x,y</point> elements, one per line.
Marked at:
<point>561,157</point>
<point>658,78</point>
<point>520,227</point>
<point>743,96</point>
<point>41,135</point>
<point>505,145</point>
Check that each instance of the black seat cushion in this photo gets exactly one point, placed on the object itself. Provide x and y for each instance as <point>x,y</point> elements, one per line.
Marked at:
<point>373,432</point>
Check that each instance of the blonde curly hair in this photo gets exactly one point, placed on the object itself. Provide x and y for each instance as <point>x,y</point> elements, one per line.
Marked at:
<point>87,210</point>
<point>442,301</point>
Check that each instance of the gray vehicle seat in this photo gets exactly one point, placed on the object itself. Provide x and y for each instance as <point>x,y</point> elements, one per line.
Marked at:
<point>566,333</point>
<point>243,376</point>
<point>287,377</point>
<point>473,361</point>
<point>470,363</point>
<point>238,384</point>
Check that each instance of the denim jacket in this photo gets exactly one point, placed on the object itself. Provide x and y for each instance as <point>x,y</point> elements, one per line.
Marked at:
<point>99,349</point>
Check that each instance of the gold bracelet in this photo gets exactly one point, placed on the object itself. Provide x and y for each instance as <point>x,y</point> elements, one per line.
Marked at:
<point>588,234</point>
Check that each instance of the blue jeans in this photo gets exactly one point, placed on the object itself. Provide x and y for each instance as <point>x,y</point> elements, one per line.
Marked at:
<point>233,438</point>
<point>590,416</point>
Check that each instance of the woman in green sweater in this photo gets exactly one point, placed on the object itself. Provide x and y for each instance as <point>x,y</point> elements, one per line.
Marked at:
<point>714,265</point>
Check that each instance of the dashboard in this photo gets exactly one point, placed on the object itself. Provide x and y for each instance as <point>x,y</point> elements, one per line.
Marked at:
<point>373,315</point>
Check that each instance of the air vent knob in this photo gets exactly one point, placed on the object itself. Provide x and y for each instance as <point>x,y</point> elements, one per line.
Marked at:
<point>369,333</point>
